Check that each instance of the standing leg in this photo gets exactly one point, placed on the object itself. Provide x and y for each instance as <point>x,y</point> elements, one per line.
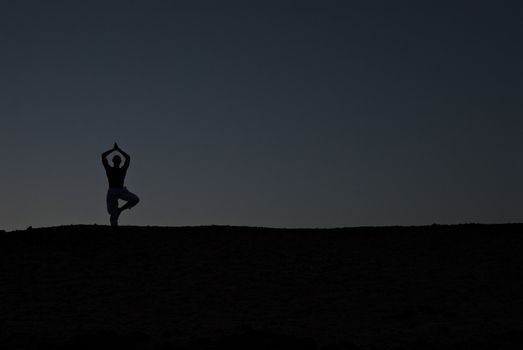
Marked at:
<point>112,207</point>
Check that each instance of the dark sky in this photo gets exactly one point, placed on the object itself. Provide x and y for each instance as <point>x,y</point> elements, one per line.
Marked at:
<point>289,114</point>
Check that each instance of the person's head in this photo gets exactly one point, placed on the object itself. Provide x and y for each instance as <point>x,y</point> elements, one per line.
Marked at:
<point>117,160</point>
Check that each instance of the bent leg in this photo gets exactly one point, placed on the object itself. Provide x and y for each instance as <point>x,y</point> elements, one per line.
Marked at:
<point>130,198</point>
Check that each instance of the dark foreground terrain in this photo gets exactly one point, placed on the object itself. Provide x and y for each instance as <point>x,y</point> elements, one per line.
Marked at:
<point>92,287</point>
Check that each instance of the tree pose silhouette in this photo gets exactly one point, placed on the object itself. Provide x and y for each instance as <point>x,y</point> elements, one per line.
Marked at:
<point>117,190</point>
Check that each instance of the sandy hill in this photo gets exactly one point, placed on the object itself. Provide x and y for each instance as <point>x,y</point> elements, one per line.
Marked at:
<point>93,287</point>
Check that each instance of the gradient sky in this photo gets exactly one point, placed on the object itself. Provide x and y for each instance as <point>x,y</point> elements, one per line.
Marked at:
<point>287,114</point>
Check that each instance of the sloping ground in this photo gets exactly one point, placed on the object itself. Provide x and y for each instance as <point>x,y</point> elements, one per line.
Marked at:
<point>428,287</point>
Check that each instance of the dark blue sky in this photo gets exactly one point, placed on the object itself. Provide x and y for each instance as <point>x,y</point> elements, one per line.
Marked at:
<point>295,114</point>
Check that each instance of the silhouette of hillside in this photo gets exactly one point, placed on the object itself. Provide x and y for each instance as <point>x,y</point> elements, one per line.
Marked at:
<point>93,287</point>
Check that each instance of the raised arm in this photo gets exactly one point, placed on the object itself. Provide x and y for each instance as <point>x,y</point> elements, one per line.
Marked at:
<point>105,162</point>
<point>126,156</point>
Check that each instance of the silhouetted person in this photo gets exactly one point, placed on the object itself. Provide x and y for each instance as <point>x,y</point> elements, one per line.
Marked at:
<point>117,190</point>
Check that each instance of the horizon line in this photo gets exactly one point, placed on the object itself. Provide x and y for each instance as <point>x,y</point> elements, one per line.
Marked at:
<point>30,228</point>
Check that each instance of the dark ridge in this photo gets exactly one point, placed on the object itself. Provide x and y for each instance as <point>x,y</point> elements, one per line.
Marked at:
<point>209,287</point>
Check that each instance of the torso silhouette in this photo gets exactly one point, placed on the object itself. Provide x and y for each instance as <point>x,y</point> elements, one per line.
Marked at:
<point>116,176</point>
